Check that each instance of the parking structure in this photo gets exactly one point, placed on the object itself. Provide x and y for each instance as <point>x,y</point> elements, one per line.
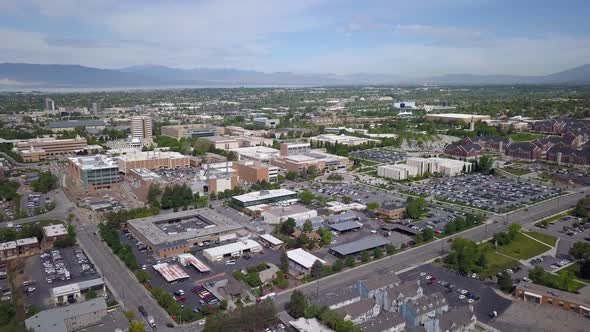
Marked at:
<point>380,155</point>
<point>486,192</point>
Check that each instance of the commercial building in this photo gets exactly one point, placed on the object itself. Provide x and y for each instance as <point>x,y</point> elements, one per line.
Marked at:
<point>264,197</point>
<point>254,172</point>
<point>290,149</point>
<point>257,153</point>
<point>398,172</point>
<point>249,141</point>
<point>152,160</point>
<point>391,211</point>
<point>223,142</point>
<point>314,158</point>
<point>53,233</point>
<point>141,128</point>
<point>443,166</point>
<point>265,122</point>
<point>214,178</point>
<point>296,212</point>
<point>234,130</point>
<point>71,318</point>
<point>176,233</point>
<point>38,149</point>
<point>456,118</point>
<point>93,173</point>
<point>235,249</point>
<point>358,246</point>
<point>190,131</point>
<point>300,261</point>
<point>170,272</point>
<point>338,207</point>
<point>19,248</point>
<point>406,105</point>
<point>72,125</point>
<point>341,139</point>
<point>73,292</point>
<point>464,150</point>
<point>270,241</point>
<point>579,303</point>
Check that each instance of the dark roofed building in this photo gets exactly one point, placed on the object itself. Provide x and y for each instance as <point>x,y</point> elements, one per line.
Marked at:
<point>386,321</point>
<point>568,156</point>
<point>524,151</point>
<point>391,211</point>
<point>71,125</point>
<point>346,226</point>
<point>360,311</point>
<point>491,142</point>
<point>464,150</point>
<point>358,246</point>
<point>461,319</point>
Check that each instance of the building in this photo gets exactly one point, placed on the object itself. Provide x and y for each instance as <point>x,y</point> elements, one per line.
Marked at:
<point>418,312</point>
<point>53,233</point>
<point>190,131</point>
<point>405,105</point>
<point>265,122</point>
<point>152,160</point>
<point>49,104</point>
<point>94,173</point>
<point>257,153</point>
<point>72,125</point>
<point>391,211</point>
<point>141,128</point>
<point>319,159</point>
<point>568,156</point>
<point>234,130</point>
<point>214,178</point>
<point>254,172</point>
<point>398,172</point>
<point>235,249</point>
<point>443,166</point>
<point>579,303</point>
<point>461,319</point>
<point>341,139</point>
<point>385,322</point>
<point>356,247</point>
<point>19,248</point>
<point>300,261</point>
<point>490,143</point>
<point>297,212</point>
<point>309,325</point>
<point>290,149</point>
<point>71,318</point>
<point>524,151</point>
<point>8,250</point>
<point>264,197</point>
<point>338,207</point>
<point>456,118</point>
<point>73,292</point>
<point>361,311</point>
<point>223,142</point>
<point>38,149</point>
<point>270,241</point>
<point>175,233</point>
<point>464,150</point>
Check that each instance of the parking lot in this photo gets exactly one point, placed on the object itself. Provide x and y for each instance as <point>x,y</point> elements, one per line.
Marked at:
<point>55,268</point>
<point>380,155</point>
<point>33,201</point>
<point>486,192</point>
<point>459,290</point>
<point>359,193</point>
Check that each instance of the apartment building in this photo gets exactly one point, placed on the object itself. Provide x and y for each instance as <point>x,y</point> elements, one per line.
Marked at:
<point>141,128</point>
<point>152,160</point>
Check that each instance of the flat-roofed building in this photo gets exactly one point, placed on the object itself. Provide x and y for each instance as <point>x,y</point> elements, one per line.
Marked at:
<point>176,233</point>
<point>253,172</point>
<point>265,122</point>
<point>8,250</point>
<point>263,197</point>
<point>39,148</point>
<point>579,303</point>
<point>141,129</point>
<point>341,139</point>
<point>249,141</point>
<point>28,246</point>
<point>300,262</point>
<point>392,210</point>
<point>300,163</point>
<point>152,160</point>
<point>235,249</point>
<point>270,241</point>
<point>73,292</point>
<point>289,149</point>
<point>93,173</point>
<point>257,153</point>
<point>279,214</point>
<point>53,233</point>
<point>71,318</point>
<point>72,125</point>
<point>223,142</point>
<point>190,131</point>
<point>456,118</point>
<point>358,246</point>
<point>397,172</point>
<point>446,167</point>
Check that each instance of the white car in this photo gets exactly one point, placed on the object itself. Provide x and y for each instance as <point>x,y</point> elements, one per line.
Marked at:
<point>230,262</point>
<point>461,297</point>
<point>470,300</point>
<point>464,291</point>
<point>422,274</point>
<point>428,277</point>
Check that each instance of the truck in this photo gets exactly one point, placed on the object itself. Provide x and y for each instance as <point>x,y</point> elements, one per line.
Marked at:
<point>151,321</point>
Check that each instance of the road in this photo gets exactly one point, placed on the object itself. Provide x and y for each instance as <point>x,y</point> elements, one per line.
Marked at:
<point>432,250</point>
<point>60,212</point>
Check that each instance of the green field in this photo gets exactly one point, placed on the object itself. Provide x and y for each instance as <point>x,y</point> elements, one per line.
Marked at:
<point>575,268</point>
<point>523,137</point>
<point>572,286</point>
<point>496,263</point>
<point>523,248</point>
<point>515,171</point>
<point>548,239</point>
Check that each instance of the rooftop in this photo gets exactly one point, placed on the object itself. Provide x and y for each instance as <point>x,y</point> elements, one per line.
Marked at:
<point>76,123</point>
<point>146,155</point>
<point>283,211</point>
<point>242,245</point>
<point>53,320</point>
<point>582,298</point>
<point>55,230</point>
<point>271,239</point>
<point>457,115</point>
<point>346,226</point>
<point>366,243</point>
<point>27,241</point>
<point>303,258</point>
<point>94,162</point>
<point>220,139</point>
<point>264,194</point>
<point>384,322</point>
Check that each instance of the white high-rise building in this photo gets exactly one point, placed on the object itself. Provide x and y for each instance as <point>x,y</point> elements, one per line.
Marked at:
<point>49,104</point>
<point>141,128</point>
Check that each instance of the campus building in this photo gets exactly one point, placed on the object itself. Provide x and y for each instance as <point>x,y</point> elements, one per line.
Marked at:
<point>297,212</point>
<point>152,160</point>
<point>72,125</point>
<point>524,151</point>
<point>38,149</point>
<point>456,118</point>
<point>265,122</point>
<point>341,139</point>
<point>223,142</point>
<point>175,233</point>
<point>19,248</point>
<point>93,173</point>
<point>141,129</point>
<point>443,166</point>
<point>190,131</point>
<point>253,172</point>
<point>264,197</point>
<point>398,172</point>
<point>257,153</point>
<point>579,303</point>
<point>289,149</point>
<point>300,163</point>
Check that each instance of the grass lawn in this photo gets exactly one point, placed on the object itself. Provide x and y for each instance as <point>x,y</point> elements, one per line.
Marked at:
<point>575,268</point>
<point>523,248</point>
<point>515,171</point>
<point>550,240</point>
<point>523,137</point>
<point>497,263</point>
<point>572,287</point>
<point>553,219</point>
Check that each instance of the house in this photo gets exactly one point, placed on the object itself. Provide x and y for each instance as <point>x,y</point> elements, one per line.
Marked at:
<point>461,319</point>
<point>491,143</point>
<point>568,156</point>
<point>360,311</point>
<point>418,312</point>
<point>551,126</point>
<point>369,287</point>
<point>269,274</point>
<point>524,151</point>
<point>385,322</point>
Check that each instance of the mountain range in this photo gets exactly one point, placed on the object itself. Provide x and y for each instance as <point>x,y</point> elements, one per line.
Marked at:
<point>25,76</point>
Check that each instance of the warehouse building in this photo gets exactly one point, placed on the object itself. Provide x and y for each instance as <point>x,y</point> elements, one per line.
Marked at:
<point>264,197</point>
<point>71,318</point>
<point>73,292</point>
<point>279,214</point>
<point>235,249</point>
<point>300,261</point>
<point>356,247</point>
<point>93,173</point>
<point>176,233</point>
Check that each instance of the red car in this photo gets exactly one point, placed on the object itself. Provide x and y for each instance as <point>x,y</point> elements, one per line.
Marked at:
<point>181,298</point>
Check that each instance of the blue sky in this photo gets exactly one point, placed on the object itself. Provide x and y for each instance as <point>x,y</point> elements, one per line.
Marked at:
<point>404,38</point>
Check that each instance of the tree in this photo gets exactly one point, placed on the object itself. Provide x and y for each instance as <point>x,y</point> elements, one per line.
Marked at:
<point>505,282</point>
<point>365,256</point>
<point>485,164</point>
<point>306,197</point>
<point>284,262</point>
<point>153,192</point>
<point>297,304</point>
<point>513,230</point>
<point>537,274</point>
<point>288,226</point>
<point>465,255</point>
<point>135,326</point>
<point>378,253</point>
<point>372,206</point>
<point>326,236</point>
<point>130,314</point>
<point>291,176</point>
<point>338,265</point>
<point>349,261</point>
<point>45,182</point>
<point>317,269</point>
<point>232,156</point>
<point>307,226</point>
<point>580,251</point>
<point>427,234</point>
<point>415,206</point>
<point>142,276</point>
<point>312,171</point>
<point>585,269</point>
<point>390,249</point>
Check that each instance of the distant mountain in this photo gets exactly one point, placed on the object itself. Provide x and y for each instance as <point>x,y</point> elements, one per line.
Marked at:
<point>35,75</point>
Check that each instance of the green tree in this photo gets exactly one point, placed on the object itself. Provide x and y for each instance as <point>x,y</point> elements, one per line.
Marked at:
<point>130,314</point>
<point>585,269</point>
<point>390,249</point>
<point>505,282</point>
<point>46,182</point>
<point>485,164</point>
<point>307,226</point>
<point>537,274</point>
<point>338,265</point>
<point>580,251</point>
<point>135,326</point>
<point>153,192</point>
<point>346,199</point>
<point>326,236</point>
<point>365,256</point>
<point>378,253</point>
<point>232,156</point>
<point>297,304</point>
<point>349,261</point>
<point>317,269</point>
<point>427,234</point>
<point>288,226</point>
<point>513,230</point>
<point>372,206</point>
<point>306,197</point>
<point>142,276</point>
<point>291,176</point>
<point>415,207</point>
<point>284,262</point>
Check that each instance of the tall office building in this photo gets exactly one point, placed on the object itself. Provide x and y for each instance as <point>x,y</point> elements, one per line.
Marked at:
<point>141,128</point>
<point>49,104</point>
<point>96,107</point>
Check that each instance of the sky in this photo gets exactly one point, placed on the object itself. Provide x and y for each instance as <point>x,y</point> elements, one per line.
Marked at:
<point>409,38</point>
